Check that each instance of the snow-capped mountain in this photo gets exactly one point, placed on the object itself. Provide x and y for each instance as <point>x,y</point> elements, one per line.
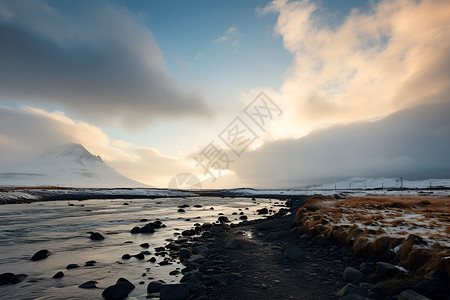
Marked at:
<point>67,165</point>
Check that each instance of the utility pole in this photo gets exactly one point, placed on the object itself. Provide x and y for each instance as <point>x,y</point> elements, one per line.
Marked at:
<point>382,185</point>
<point>401,182</point>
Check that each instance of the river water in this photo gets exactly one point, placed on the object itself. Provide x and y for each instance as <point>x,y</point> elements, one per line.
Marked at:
<point>61,227</point>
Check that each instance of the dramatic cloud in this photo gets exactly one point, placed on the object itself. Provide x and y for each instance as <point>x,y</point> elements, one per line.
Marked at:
<point>393,56</point>
<point>27,132</point>
<point>413,143</point>
<point>89,57</point>
<point>231,38</point>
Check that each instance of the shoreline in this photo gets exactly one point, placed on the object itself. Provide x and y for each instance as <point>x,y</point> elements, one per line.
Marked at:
<point>274,258</point>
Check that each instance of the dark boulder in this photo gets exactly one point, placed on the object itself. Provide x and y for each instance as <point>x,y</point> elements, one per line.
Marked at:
<point>72,266</point>
<point>118,291</point>
<point>154,287</point>
<point>148,228</point>
<point>95,236</point>
<point>136,230</point>
<point>5,278</point>
<point>40,255</point>
<point>262,211</point>
<point>60,274</point>
<point>174,291</point>
<point>88,285</point>
<point>223,219</point>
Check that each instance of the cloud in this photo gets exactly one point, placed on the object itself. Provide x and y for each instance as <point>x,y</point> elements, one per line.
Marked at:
<point>198,55</point>
<point>390,57</point>
<point>231,38</point>
<point>27,132</point>
<point>91,58</point>
<point>412,143</point>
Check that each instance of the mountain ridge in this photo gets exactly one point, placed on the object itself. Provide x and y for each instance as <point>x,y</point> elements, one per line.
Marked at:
<point>69,165</point>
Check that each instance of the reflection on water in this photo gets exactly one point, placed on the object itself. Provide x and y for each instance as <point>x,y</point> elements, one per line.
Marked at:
<point>62,229</point>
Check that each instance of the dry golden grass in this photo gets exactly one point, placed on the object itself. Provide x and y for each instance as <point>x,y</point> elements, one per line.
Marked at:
<point>381,227</point>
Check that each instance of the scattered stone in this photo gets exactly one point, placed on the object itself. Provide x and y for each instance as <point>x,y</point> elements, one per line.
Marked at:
<point>198,259</point>
<point>154,287</point>
<point>136,230</point>
<point>351,289</point>
<point>223,219</point>
<point>72,266</point>
<point>184,254</point>
<point>60,274</point>
<point>119,290</point>
<point>174,272</point>
<point>126,256</point>
<point>207,234</point>
<point>199,249</point>
<point>148,228</point>
<point>353,297</point>
<point>386,269</point>
<point>181,210</point>
<point>152,260</point>
<point>232,244</point>
<point>95,236</point>
<point>352,275</point>
<point>198,206</point>
<point>90,263</point>
<point>88,285</point>
<point>262,211</point>
<point>139,256</point>
<point>40,255</point>
<point>18,278</point>
<point>5,278</point>
<point>174,291</point>
<point>243,217</point>
<point>411,295</point>
<point>292,253</point>
<point>144,245</point>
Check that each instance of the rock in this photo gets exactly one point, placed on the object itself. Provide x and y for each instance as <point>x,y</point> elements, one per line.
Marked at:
<point>292,253</point>
<point>197,205</point>
<point>223,219</point>
<point>352,275</point>
<point>18,278</point>
<point>262,211</point>
<point>386,269</point>
<point>136,230</point>
<point>200,249</point>
<point>184,254</point>
<point>126,256</point>
<point>88,285</point>
<point>148,228</point>
<point>284,246</point>
<point>60,274</point>
<point>174,291</point>
<point>89,263</point>
<point>72,266</point>
<point>431,286</point>
<point>40,255</point>
<point>5,278</point>
<point>353,297</point>
<point>186,233</point>
<point>95,236</point>
<point>139,256</point>
<point>411,295</point>
<point>144,245</point>
<point>123,280</point>
<point>232,244</point>
<point>181,210</point>
<point>118,291</point>
<point>206,225</point>
<point>351,289</point>
<point>198,259</point>
<point>243,217</point>
<point>207,234</point>
<point>152,259</point>
<point>174,272</point>
<point>154,287</point>
<point>221,278</point>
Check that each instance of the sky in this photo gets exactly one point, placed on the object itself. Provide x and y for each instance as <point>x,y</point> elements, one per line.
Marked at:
<point>236,93</point>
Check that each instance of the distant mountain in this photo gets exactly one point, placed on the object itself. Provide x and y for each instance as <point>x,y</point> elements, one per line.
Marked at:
<point>67,165</point>
<point>383,182</point>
